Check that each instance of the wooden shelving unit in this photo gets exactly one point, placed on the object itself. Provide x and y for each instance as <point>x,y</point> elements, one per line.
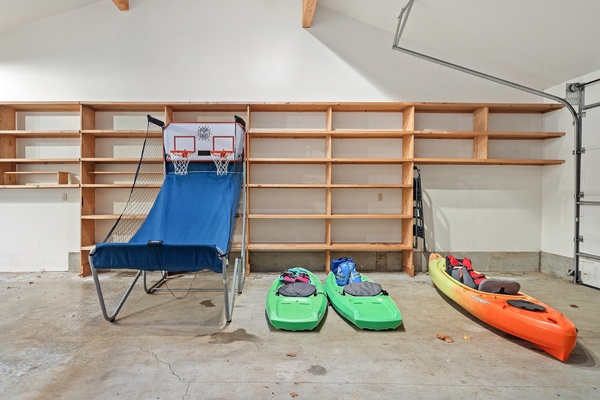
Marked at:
<point>332,140</point>
<point>330,156</point>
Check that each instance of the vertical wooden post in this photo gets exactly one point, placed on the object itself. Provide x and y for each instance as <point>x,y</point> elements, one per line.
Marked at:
<point>480,125</point>
<point>248,180</point>
<point>408,153</point>
<point>328,166</point>
<point>168,115</point>
<point>8,118</point>
<point>87,149</point>
<point>408,119</point>
<point>407,223</point>
<point>87,117</point>
<point>8,144</point>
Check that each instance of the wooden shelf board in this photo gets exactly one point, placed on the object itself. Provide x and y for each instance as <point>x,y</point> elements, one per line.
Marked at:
<point>121,134</point>
<point>331,216</point>
<point>41,186</point>
<point>123,173</point>
<point>287,160</point>
<point>383,134</point>
<point>118,185</point>
<point>494,108</point>
<point>336,134</point>
<point>69,134</point>
<point>287,185</point>
<point>111,216</point>
<point>370,106</point>
<point>34,172</point>
<point>324,185</point>
<point>490,135</point>
<point>524,135</point>
<point>335,106</point>
<point>423,161</point>
<point>286,134</point>
<point>287,246</point>
<point>199,107</point>
<point>370,216</point>
<point>161,107</point>
<point>369,185</point>
<point>126,106</point>
<point>43,106</point>
<point>336,160</point>
<point>355,246</point>
<point>286,216</point>
<point>370,160</point>
<point>489,161</point>
<point>100,216</point>
<point>370,246</point>
<point>439,107</point>
<point>369,134</point>
<point>104,160</point>
<point>40,160</point>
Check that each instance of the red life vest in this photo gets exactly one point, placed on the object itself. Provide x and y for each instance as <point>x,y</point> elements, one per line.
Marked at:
<point>452,262</point>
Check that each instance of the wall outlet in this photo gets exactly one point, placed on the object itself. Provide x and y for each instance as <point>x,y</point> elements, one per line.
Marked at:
<point>64,197</point>
<point>379,196</point>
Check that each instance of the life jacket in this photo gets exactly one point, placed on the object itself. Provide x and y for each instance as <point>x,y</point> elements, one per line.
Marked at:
<point>345,271</point>
<point>462,271</point>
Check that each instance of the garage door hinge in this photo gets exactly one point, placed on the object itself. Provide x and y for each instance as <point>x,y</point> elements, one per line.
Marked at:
<point>581,151</point>
<point>580,195</point>
<point>578,239</point>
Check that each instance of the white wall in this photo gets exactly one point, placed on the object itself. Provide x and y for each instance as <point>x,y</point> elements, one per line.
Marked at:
<point>190,50</point>
<point>558,184</point>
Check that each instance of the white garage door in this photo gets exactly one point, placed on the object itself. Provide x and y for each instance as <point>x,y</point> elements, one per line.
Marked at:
<point>589,228</point>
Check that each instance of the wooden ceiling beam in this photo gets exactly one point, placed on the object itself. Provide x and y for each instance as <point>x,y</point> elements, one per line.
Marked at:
<point>123,5</point>
<point>308,12</point>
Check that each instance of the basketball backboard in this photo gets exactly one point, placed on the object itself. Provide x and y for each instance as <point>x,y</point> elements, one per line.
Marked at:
<point>200,138</point>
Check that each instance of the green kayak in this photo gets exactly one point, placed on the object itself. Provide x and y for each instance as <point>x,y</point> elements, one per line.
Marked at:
<point>296,306</point>
<point>374,312</point>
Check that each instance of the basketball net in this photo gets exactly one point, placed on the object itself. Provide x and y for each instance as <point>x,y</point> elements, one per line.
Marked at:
<point>180,160</point>
<point>221,159</point>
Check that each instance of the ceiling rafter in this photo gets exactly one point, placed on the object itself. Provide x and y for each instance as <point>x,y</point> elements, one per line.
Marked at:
<point>123,5</point>
<point>308,12</point>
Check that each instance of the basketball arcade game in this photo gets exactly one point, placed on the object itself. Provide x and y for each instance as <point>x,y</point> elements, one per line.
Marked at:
<point>186,142</point>
<point>189,225</point>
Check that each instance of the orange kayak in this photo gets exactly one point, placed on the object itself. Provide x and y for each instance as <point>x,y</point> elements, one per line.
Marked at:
<point>519,315</point>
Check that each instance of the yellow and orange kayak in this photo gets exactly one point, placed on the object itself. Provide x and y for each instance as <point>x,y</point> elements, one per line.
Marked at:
<point>535,322</point>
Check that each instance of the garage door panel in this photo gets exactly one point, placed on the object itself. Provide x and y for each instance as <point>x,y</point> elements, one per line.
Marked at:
<point>589,272</point>
<point>590,174</point>
<point>589,229</point>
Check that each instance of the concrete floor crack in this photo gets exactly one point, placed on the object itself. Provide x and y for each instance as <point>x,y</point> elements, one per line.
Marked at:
<point>187,389</point>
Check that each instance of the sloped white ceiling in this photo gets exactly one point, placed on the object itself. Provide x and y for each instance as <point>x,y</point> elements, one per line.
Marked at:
<point>537,43</point>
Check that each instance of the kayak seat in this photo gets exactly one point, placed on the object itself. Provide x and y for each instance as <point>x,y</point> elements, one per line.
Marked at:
<point>500,286</point>
<point>297,289</point>
<point>363,289</point>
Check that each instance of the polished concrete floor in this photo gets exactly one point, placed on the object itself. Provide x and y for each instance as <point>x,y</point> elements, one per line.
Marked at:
<point>55,344</point>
